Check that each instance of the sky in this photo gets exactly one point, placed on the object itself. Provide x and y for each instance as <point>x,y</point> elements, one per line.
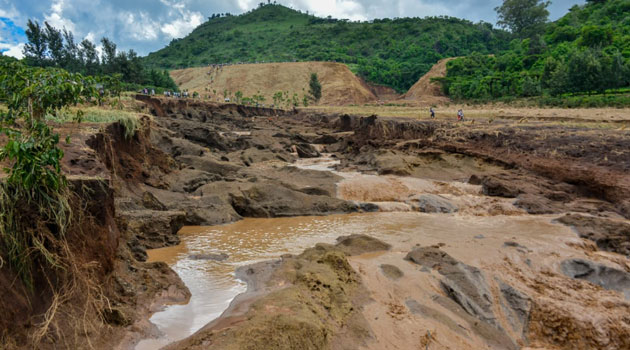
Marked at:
<point>149,25</point>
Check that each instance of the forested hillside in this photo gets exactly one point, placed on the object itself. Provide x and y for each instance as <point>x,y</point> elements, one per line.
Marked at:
<point>391,52</point>
<point>586,51</point>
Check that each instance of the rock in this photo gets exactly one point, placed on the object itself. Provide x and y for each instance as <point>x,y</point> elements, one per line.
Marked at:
<point>189,180</point>
<point>360,244</point>
<point>274,200</point>
<point>480,237</point>
<point>305,150</point>
<point>369,207</point>
<point>392,272</point>
<point>210,165</point>
<point>150,202</point>
<point>325,140</point>
<point>495,187</point>
<point>474,180</point>
<point>610,235</point>
<point>534,204</point>
<point>151,229</point>
<point>462,283</point>
<point>209,256</point>
<point>517,307</point>
<point>430,203</point>
<point>601,275</point>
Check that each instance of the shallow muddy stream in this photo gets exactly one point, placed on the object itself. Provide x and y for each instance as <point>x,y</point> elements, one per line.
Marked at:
<point>471,235</point>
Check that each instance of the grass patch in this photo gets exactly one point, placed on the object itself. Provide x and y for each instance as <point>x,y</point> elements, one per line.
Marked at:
<point>129,120</point>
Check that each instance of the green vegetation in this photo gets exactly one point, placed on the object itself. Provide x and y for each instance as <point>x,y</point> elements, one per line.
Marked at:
<point>51,47</point>
<point>392,52</point>
<point>35,193</point>
<point>585,52</point>
<point>525,18</point>
<point>315,88</point>
<point>129,120</point>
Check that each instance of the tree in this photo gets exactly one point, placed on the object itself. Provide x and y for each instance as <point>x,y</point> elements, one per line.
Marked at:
<point>35,49</point>
<point>54,39</point>
<point>89,56</point>
<point>108,56</point>
<point>525,18</point>
<point>315,88</point>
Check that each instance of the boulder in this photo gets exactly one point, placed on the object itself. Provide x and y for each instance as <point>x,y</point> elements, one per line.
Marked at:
<point>607,277</point>
<point>360,244</point>
<point>495,187</point>
<point>431,203</point>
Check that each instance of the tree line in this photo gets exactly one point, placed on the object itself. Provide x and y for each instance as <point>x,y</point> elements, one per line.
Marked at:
<point>51,47</point>
<point>586,51</point>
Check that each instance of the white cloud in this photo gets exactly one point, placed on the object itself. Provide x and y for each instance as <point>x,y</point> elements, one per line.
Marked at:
<point>13,50</point>
<point>56,19</point>
<point>183,25</point>
<point>140,27</point>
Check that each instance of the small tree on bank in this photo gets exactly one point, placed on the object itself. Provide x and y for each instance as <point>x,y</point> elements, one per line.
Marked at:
<point>315,88</point>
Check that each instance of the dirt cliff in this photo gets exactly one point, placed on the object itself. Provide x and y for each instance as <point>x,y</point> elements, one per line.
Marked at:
<point>339,85</point>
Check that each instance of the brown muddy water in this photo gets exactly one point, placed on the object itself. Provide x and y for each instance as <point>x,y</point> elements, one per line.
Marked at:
<point>213,284</point>
<point>473,235</point>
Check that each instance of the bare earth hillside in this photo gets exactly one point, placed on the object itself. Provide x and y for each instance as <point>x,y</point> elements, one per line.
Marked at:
<point>427,92</point>
<point>339,85</point>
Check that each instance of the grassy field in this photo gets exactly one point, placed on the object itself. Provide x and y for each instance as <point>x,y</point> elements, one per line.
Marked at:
<point>449,112</point>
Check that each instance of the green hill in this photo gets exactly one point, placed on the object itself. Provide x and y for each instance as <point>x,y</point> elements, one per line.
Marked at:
<point>587,51</point>
<point>391,52</point>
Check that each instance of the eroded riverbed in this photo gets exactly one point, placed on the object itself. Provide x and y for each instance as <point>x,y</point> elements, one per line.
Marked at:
<point>479,241</point>
<point>497,244</point>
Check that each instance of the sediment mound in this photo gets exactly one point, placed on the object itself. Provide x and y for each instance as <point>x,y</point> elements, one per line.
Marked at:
<point>427,92</point>
<point>339,85</point>
<point>309,301</point>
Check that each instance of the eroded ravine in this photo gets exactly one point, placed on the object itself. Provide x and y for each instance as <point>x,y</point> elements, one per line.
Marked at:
<point>484,232</point>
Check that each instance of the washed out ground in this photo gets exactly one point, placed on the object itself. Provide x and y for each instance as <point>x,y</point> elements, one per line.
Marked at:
<point>521,294</point>
<point>198,163</point>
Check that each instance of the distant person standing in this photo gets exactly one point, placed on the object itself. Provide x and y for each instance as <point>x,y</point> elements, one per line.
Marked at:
<point>432,112</point>
<point>460,115</point>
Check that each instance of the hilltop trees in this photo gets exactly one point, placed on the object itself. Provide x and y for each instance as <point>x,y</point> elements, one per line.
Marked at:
<point>586,51</point>
<point>525,18</point>
<point>391,52</point>
<point>51,47</point>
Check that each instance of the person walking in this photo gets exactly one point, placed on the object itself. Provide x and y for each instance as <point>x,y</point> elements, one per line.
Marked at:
<point>460,115</point>
<point>432,112</point>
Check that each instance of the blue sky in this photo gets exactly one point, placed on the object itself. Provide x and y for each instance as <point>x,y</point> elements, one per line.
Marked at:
<point>148,25</point>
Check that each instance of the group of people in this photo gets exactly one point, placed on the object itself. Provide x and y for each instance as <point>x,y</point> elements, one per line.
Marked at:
<point>147,91</point>
<point>176,94</point>
<point>460,114</point>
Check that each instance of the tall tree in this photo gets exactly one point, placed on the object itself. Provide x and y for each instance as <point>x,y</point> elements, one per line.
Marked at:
<point>90,57</point>
<point>71,60</point>
<point>525,18</point>
<point>35,49</point>
<point>315,88</point>
<point>54,38</point>
<point>108,58</point>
